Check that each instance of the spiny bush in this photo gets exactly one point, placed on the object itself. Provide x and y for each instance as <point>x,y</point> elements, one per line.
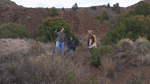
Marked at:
<point>144,60</point>
<point>142,45</point>
<point>48,27</point>
<point>98,53</point>
<point>130,27</point>
<point>11,30</point>
<point>125,45</point>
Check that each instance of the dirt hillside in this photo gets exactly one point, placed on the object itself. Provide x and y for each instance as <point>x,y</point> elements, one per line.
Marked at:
<point>32,18</point>
<point>80,22</point>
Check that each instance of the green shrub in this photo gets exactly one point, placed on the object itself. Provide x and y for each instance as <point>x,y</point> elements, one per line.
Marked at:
<point>99,18</point>
<point>48,27</point>
<point>130,27</point>
<point>11,30</point>
<point>53,12</point>
<point>105,15</point>
<point>98,53</point>
<point>93,8</point>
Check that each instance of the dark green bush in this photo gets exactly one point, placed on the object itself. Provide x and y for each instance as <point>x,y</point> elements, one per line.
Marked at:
<point>53,12</point>
<point>93,8</point>
<point>48,27</point>
<point>98,53</point>
<point>130,27</point>
<point>11,30</point>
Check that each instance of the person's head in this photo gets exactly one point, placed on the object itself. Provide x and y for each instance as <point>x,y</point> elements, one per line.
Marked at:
<point>90,32</point>
<point>62,30</point>
<point>71,38</point>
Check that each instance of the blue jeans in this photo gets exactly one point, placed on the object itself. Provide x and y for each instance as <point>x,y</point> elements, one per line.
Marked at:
<point>58,43</point>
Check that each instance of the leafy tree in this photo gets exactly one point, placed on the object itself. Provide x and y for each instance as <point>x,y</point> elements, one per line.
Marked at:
<point>11,30</point>
<point>53,12</point>
<point>75,7</point>
<point>108,5</point>
<point>48,27</point>
<point>116,8</point>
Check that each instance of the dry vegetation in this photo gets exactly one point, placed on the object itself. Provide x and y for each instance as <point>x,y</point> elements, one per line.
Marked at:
<point>43,69</point>
<point>25,61</point>
<point>109,67</point>
<point>33,62</point>
<point>37,66</point>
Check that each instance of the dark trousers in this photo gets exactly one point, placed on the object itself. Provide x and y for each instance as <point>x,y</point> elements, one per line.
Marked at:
<point>71,48</point>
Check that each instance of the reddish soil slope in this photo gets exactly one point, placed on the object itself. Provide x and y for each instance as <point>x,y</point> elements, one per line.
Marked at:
<point>81,23</point>
<point>32,18</point>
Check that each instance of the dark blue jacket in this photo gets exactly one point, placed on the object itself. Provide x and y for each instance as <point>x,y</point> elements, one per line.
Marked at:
<point>72,43</point>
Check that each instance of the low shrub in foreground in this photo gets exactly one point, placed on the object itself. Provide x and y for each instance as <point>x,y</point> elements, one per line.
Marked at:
<point>98,53</point>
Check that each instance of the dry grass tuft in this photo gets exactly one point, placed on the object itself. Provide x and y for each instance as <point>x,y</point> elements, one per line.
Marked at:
<point>36,47</point>
<point>109,67</point>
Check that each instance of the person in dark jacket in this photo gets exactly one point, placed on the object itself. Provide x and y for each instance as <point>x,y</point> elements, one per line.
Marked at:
<point>72,45</point>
